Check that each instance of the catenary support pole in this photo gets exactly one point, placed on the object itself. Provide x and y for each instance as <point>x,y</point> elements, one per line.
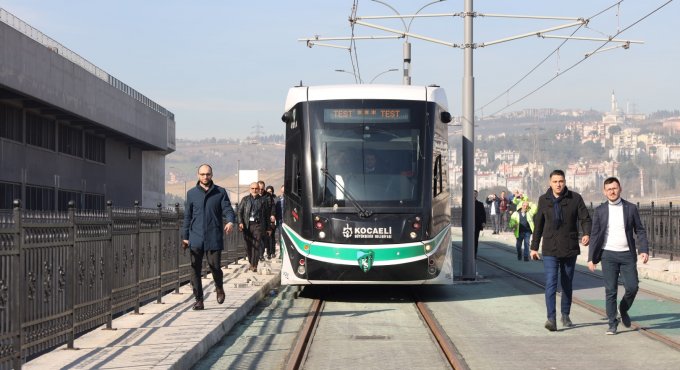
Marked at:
<point>469,265</point>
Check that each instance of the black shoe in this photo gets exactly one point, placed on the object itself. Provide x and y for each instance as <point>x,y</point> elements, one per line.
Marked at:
<point>526,259</point>
<point>625,318</point>
<point>198,305</point>
<point>220,295</point>
<point>566,321</point>
<point>261,259</point>
<point>519,257</point>
<point>551,325</point>
<point>612,329</point>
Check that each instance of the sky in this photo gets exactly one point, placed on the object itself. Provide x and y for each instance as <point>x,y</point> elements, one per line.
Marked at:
<point>224,67</point>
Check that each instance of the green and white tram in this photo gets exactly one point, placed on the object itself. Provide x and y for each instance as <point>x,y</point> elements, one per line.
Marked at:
<point>366,186</point>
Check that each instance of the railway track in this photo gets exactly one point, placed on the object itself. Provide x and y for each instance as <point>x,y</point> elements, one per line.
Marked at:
<point>305,338</point>
<point>653,334</point>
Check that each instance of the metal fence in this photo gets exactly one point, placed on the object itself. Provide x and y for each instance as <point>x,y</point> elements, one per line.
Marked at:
<point>662,223</point>
<point>64,273</point>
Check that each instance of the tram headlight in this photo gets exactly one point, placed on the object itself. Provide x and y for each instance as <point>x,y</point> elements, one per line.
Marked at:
<point>428,248</point>
<point>301,269</point>
<point>413,235</point>
<point>322,234</point>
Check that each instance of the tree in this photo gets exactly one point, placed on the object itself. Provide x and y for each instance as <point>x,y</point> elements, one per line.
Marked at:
<point>615,129</point>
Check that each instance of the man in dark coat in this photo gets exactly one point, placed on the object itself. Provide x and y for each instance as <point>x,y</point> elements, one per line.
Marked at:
<point>556,222</point>
<point>253,220</point>
<point>207,216</point>
<point>613,243</point>
<point>480,220</point>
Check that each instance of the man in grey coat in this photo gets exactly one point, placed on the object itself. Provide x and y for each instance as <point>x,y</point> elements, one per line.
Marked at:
<point>207,216</point>
<point>613,244</point>
<point>558,214</point>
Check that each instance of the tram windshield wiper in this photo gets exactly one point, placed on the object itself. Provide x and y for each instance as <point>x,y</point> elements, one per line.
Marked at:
<point>361,211</point>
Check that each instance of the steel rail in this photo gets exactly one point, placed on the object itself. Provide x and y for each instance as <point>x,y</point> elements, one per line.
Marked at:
<point>593,274</point>
<point>645,331</point>
<point>450,351</point>
<point>301,344</point>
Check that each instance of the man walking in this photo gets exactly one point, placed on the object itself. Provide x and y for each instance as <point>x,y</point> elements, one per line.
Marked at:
<point>207,216</point>
<point>480,220</point>
<point>556,222</point>
<point>612,242</point>
<point>252,221</point>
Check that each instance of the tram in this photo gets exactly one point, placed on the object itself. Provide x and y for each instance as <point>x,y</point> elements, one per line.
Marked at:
<point>366,195</point>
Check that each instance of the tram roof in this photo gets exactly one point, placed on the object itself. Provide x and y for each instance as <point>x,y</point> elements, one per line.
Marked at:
<point>388,92</point>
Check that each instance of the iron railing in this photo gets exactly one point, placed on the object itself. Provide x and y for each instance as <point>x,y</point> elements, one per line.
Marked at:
<point>64,273</point>
<point>662,223</point>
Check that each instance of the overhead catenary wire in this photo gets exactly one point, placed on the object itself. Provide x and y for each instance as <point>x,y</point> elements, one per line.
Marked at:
<point>580,61</point>
<point>555,51</point>
<point>354,56</point>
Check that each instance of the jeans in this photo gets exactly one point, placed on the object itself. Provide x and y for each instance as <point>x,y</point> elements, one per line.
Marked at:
<point>614,263</point>
<point>496,223</point>
<point>523,237</point>
<point>566,266</point>
<point>214,262</point>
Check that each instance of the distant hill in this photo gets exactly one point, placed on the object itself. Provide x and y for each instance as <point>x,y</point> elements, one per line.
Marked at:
<point>225,158</point>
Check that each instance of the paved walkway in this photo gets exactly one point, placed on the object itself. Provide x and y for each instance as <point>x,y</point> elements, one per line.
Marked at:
<point>657,268</point>
<point>169,335</point>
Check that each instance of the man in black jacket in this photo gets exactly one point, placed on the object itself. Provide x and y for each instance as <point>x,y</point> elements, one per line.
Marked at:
<point>556,222</point>
<point>206,210</point>
<point>480,220</point>
<point>253,221</point>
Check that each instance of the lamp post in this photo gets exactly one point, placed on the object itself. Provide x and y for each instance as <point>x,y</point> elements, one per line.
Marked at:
<point>407,45</point>
<point>184,179</point>
<point>357,79</point>
<point>382,73</point>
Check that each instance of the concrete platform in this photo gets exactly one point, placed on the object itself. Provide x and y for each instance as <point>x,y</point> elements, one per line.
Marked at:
<point>169,335</point>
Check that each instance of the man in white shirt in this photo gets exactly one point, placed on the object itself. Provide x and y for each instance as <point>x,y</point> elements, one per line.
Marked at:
<point>612,242</point>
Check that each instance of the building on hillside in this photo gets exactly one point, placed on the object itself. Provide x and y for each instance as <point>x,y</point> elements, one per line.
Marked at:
<point>72,132</point>
<point>481,158</point>
<point>511,156</point>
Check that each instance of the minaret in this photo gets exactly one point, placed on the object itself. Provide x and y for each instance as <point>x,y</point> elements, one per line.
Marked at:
<point>614,108</point>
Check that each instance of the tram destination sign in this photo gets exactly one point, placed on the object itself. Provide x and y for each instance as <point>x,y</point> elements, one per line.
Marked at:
<point>366,115</point>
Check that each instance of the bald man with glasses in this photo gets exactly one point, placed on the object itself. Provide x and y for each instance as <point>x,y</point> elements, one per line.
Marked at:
<point>207,216</point>
<point>253,220</point>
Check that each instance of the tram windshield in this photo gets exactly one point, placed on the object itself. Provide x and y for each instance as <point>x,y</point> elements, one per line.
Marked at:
<point>371,152</point>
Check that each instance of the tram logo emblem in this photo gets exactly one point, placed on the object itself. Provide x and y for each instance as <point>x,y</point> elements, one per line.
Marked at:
<point>347,231</point>
<point>361,232</point>
<point>365,259</point>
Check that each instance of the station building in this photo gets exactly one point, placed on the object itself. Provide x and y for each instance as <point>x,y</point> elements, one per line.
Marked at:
<point>71,131</point>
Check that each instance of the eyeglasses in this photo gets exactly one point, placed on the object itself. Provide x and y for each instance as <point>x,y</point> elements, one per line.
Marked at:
<point>254,188</point>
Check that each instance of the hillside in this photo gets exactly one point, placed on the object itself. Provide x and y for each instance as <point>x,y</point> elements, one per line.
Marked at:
<point>225,158</point>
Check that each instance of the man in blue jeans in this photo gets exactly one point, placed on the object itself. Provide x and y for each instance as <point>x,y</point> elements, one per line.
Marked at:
<point>556,222</point>
<point>613,243</point>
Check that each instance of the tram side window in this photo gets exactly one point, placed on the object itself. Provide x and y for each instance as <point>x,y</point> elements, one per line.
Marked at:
<point>297,181</point>
<point>437,178</point>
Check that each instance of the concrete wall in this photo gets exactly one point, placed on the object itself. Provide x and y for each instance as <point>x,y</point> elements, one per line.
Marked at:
<point>33,69</point>
<point>134,168</point>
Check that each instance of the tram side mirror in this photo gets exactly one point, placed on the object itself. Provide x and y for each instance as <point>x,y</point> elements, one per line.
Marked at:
<point>445,117</point>
<point>287,117</point>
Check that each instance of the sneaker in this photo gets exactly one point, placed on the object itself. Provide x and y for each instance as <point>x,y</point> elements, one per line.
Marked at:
<point>611,330</point>
<point>551,325</point>
<point>625,318</point>
<point>566,321</point>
